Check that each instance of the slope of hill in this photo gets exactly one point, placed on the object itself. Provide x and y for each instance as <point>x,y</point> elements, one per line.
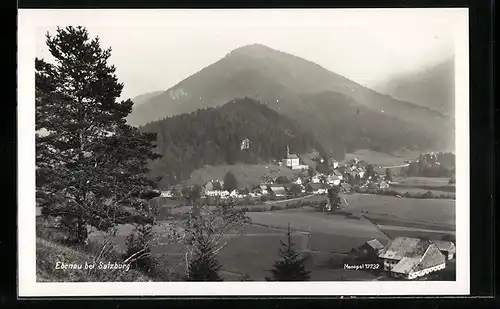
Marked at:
<point>140,99</point>
<point>49,253</point>
<point>281,80</point>
<point>433,87</point>
<point>342,125</point>
<point>246,174</point>
<point>213,136</point>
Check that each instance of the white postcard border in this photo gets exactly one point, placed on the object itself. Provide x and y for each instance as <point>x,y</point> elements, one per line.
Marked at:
<point>28,20</point>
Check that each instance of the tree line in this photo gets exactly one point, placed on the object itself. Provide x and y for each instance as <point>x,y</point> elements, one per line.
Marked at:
<point>441,164</point>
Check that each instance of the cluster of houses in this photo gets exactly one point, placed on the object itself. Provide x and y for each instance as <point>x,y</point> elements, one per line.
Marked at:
<point>303,182</point>
<point>409,258</point>
<point>355,172</point>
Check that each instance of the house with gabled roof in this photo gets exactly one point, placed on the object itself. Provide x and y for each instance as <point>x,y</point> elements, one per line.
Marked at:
<point>446,247</point>
<point>333,163</point>
<point>278,190</point>
<point>214,188</point>
<point>333,180</point>
<point>370,249</point>
<point>345,187</point>
<point>319,188</point>
<point>410,258</point>
<point>338,174</point>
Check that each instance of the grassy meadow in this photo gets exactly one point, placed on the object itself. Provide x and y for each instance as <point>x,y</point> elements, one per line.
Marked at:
<point>248,174</point>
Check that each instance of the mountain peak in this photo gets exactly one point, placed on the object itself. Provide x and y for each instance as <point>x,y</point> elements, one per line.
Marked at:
<point>253,49</point>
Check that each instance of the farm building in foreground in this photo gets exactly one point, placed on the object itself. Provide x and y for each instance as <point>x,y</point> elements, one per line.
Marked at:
<point>447,248</point>
<point>370,249</point>
<point>410,258</point>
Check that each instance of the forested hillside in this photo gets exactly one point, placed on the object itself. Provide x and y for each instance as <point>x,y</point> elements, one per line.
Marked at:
<point>343,125</point>
<point>213,136</point>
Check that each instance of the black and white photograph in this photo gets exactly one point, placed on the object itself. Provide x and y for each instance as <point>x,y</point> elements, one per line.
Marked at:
<point>243,152</point>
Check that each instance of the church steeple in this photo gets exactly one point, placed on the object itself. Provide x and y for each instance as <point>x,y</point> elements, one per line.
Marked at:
<point>287,151</point>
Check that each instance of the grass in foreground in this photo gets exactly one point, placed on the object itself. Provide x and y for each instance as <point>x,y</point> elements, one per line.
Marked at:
<point>49,253</point>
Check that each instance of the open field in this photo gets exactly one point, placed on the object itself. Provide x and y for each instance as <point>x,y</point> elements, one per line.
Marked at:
<point>435,211</point>
<point>246,174</point>
<point>356,230</point>
<point>417,233</point>
<point>318,235</point>
<point>423,184</point>
<point>322,237</point>
<point>436,193</point>
<point>379,158</point>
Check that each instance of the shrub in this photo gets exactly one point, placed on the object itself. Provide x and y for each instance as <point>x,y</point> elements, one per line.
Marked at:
<point>258,209</point>
<point>428,194</point>
<point>274,207</point>
<point>47,228</point>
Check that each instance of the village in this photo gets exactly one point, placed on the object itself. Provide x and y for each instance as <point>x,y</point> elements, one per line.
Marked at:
<point>305,181</point>
<point>399,257</point>
<point>379,254</point>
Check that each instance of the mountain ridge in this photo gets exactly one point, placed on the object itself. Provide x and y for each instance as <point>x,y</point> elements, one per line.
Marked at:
<point>282,80</point>
<point>432,87</point>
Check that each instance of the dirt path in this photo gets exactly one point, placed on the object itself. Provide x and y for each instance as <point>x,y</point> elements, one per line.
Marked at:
<point>289,200</point>
<point>396,166</point>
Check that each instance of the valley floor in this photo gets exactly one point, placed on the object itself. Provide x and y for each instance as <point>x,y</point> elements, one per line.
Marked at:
<point>324,238</point>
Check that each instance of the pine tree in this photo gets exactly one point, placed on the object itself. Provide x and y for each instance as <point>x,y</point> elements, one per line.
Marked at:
<point>230,182</point>
<point>91,165</point>
<point>139,248</point>
<point>204,265</point>
<point>291,266</point>
<point>388,174</point>
<point>333,197</point>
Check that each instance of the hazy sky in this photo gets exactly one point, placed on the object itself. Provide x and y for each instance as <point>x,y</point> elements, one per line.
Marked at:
<point>155,49</point>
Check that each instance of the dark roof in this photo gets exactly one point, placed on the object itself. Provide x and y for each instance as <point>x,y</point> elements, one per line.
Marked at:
<point>444,245</point>
<point>401,247</point>
<point>337,173</point>
<point>346,186</point>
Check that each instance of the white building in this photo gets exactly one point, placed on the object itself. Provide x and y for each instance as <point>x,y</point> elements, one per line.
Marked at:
<point>333,163</point>
<point>291,161</point>
<point>166,193</point>
<point>316,179</point>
